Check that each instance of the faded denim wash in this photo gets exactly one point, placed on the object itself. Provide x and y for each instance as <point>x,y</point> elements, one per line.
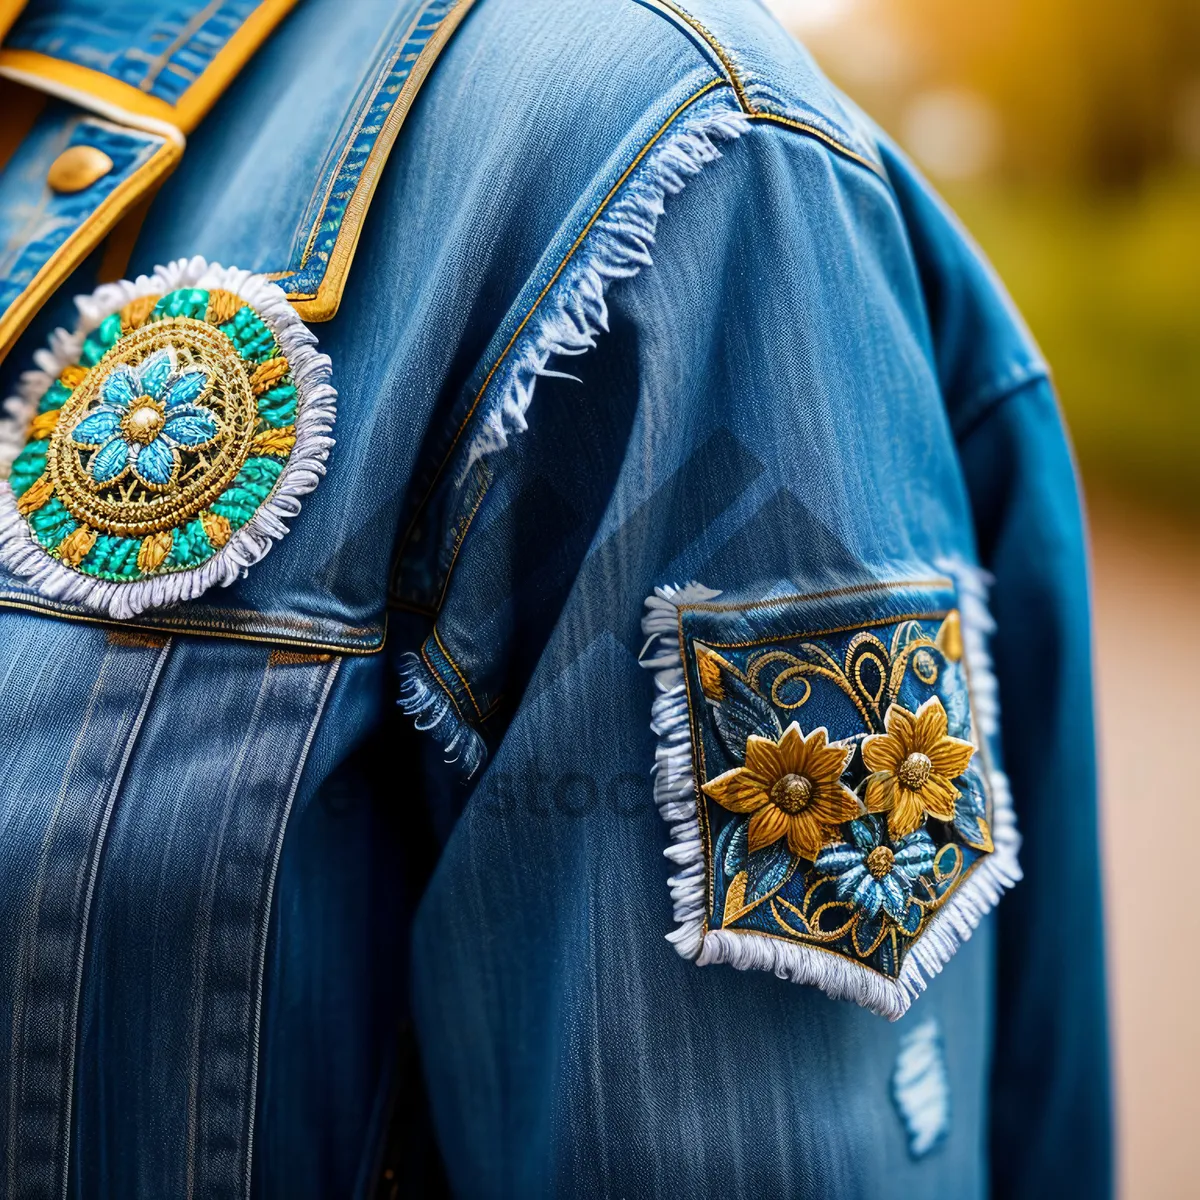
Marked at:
<point>251,919</point>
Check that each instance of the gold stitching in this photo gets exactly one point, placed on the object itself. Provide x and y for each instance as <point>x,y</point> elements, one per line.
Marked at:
<point>722,54</point>
<point>820,135</point>
<point>455,667</point>
<point>442,684</point>
<point>195,627</point>
<point>641,154</point>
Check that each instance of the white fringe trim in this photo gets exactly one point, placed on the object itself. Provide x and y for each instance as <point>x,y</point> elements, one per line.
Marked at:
<point>616,247</point>
<point>425,699</point>
<point>315,414</point>
<point>674,771</point>
<point>675,794</point>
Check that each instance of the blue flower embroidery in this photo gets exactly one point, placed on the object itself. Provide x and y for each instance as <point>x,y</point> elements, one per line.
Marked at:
<point>874,873</point>
<point>147,413</point>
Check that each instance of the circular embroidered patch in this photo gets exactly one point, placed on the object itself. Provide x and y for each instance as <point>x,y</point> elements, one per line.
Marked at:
<point>156,451</point>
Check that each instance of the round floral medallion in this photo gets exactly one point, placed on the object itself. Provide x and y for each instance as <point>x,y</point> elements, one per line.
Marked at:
<point>160,449</point>
<point>156,432</point>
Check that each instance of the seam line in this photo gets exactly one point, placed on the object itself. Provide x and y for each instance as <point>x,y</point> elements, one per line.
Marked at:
<point>596,215</point>
<point>458,671</point>
<point>442,684</point>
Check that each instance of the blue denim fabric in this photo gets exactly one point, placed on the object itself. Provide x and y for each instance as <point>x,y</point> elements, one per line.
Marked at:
<point>232,869</point>
<point>34,221</point>
<point>158,48</point>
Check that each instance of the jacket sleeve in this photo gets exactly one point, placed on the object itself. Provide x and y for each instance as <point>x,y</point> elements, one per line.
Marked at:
<point>758,412</point>
<point>1050,1126</point>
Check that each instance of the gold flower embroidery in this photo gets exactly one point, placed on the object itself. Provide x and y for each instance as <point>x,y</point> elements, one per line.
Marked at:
<point>792,787</point>
<point>914,763</point>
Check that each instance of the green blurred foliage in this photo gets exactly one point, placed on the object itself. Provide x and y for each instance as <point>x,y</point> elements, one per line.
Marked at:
<point>1110,285</point>
<point>1090,209</point>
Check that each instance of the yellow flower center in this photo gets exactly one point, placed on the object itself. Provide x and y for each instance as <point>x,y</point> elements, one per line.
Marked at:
<point>144,420</point>
<point>914,772</point>
<point>880,861</point>
<point>792,793</point>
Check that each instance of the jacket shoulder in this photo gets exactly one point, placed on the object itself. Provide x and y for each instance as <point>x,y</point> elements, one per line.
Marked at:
<point>597,67</point>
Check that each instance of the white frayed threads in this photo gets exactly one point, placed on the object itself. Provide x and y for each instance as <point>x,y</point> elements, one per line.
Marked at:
<point>674,773</point>
<point>675,788</point>
<point>424,699</point>
<point>315,415</point>
<point>617,246</point>
<point>921,1087</point>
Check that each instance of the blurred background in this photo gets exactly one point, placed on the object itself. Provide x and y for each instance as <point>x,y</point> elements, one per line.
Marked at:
<point>1066,133</point>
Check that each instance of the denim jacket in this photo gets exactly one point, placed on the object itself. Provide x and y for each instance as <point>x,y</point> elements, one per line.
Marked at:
<point>676,664</point>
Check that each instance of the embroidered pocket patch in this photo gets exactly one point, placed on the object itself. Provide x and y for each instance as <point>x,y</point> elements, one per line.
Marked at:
<point>157,450</point>
<point>826,768</point>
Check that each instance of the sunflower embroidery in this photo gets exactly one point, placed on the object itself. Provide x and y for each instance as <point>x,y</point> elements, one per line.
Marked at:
<point>792,787</point>
<point>914,764</point>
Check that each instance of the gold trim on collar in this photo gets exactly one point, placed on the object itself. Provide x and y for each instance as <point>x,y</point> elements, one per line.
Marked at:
<point>124,197</point>
<point>322,304</point>
<point>120,101</point>
<point>10,10</point>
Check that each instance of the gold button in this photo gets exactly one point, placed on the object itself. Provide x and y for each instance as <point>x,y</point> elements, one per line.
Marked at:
<point>78,167</point>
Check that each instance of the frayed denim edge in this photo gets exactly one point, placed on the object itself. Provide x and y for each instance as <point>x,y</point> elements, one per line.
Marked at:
<point>618,246</point>
<point>424,699</point>
<point>675,795</point>
<point>921,1088</point>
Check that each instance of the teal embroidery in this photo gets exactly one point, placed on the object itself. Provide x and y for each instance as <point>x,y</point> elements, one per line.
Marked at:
<point>277,407</point>
<point>178,427</point>
<point>251,337</point>
<point>98,343</point>
<point>51,523</point>
<point>190,546</point>
<point>113,558</point>
<point>29,466</point>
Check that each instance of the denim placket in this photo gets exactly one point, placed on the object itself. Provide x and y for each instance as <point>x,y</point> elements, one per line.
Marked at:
<point>169,1049</point>
<point>226,1007</point>
<point>53,926</point>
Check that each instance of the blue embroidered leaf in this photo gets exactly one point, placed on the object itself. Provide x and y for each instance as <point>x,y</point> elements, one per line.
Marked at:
<point>956,699</point>
<point>121,387</point>
<point>867,930</point>
<point>974,831</point>
<point>734,857</point>
<point>914,853</point>
<point>96,428</point>
<point>767,869</point>
<point>910,920</point>
<point>738,710</point>
<point>867,894</point>
<point>838,859</point>
<point>885,955</point>
<point>184,388</point>
<point>155,372</point>
<point>894,899</point>
<point>867,832</point>
<point>972,799</point>
<point>190,426</point>
<point>969,811</point>
<point>110,460</point>
<point>155,463</point>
